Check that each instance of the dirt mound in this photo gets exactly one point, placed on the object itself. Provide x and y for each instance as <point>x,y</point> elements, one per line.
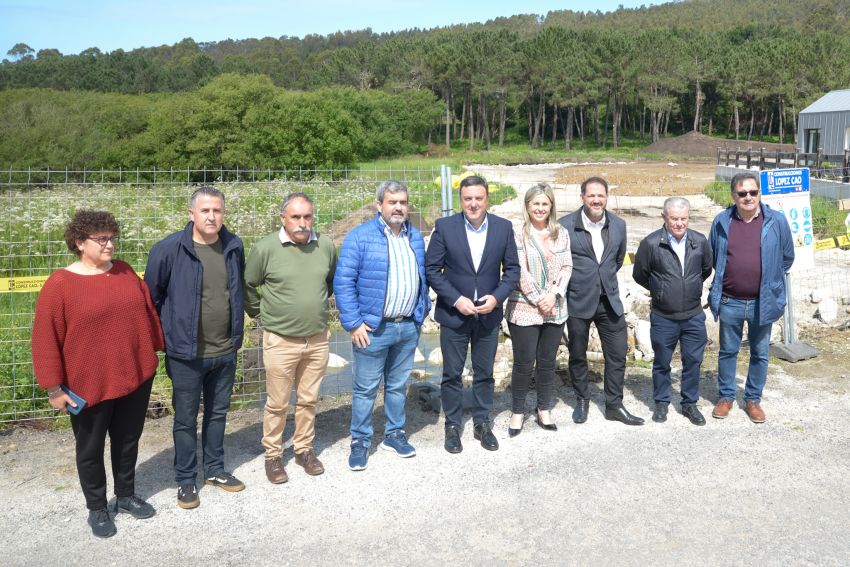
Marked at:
<point>644,177</point>
<point>340,228</point>
<point>698,145</point>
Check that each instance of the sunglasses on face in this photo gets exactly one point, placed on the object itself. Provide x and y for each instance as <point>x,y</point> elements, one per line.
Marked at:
<point>752,193</point>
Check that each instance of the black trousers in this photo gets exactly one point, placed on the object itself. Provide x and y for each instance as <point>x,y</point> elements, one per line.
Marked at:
<point>613,334</point>
<point>534,346</point>
<point>455,343</point>
<point>123,419</point>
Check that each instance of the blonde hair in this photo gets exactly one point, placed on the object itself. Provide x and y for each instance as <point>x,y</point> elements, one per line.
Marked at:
<point>534,191</point>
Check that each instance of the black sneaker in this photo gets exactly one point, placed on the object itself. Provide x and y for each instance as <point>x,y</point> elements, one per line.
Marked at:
<point>135,506</point>
<point>226,481</point>
<point>187,496</point>
<point>101,524</point>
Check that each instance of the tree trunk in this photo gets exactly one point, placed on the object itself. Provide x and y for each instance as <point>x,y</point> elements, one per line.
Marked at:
<point>471,122</point>
<point>752,121</point>
<point>580,123</point>
<point>568,127</point>
<point>502,119</point>
<point>448,118</point>
<point>737,119</point>
<point>596,123</point>
<point>555,123</point>
<point>781,120</point>
<point>463,116</point>
<point>698,96</point>
<point>482,103</point>
<point>607,115</point>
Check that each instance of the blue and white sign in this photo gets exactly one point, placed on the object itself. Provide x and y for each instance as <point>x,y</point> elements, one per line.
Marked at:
<point>787,190</point>
<point>784,181</point>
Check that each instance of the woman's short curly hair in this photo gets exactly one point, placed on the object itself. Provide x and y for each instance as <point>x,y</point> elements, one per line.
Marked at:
<point>85,223</point>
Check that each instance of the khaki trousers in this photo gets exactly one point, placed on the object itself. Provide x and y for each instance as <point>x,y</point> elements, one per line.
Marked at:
<point>298,362</point>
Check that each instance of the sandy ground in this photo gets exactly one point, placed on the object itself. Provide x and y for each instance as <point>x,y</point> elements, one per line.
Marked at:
<point>600,493</point>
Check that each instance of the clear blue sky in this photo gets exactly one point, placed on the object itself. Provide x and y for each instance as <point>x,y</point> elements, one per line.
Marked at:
<point>74,25</point>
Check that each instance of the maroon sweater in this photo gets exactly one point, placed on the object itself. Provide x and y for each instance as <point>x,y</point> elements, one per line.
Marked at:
<point>742,278</point>
<point>96,334</point>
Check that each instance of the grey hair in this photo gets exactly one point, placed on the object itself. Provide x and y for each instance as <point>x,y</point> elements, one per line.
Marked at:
<point>291,197</point>
<point>390,186</point>
<point>205,190</point>
<point>675,203</point>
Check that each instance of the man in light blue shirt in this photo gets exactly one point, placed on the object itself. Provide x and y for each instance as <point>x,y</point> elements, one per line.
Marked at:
<point>382,299</point>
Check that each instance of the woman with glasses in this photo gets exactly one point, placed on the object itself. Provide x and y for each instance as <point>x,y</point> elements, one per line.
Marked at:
<point>94,342</point>
<point>537,310</point>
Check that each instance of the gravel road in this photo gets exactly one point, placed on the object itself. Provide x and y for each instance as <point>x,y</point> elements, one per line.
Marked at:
<point>600,493</point>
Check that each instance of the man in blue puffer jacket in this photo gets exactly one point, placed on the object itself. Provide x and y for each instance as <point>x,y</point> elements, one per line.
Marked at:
<point>753,250</point>
<point>382,297</point>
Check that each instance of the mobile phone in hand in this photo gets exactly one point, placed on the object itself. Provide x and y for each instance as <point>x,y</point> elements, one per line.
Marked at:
<point>81,403</point>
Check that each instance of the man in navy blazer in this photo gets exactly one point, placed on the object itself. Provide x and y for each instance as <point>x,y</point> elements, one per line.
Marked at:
<point>598,246</point>
<point>473,266</point>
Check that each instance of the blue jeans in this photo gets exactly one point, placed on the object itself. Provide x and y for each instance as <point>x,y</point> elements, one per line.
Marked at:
<point>455,343</point>
<point>733,313</point>
<point>388,359</point>
<point>190,378</point>
<point>691,336</point>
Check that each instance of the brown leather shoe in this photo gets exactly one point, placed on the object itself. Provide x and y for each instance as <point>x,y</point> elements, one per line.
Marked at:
<point>307,459</point>
<point>275,471</point>
<point>722,409</point>
<point>755,412</point>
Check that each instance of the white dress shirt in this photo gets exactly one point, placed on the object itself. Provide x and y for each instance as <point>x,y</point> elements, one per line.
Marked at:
<point>595,230</point>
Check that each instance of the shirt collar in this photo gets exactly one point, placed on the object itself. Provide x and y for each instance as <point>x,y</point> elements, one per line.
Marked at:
<point>471,228</point>
<point>387,227</point>
<point>738,214</point>
<point>589,223</point>
<point>284,237</point>
<point>673,239</point>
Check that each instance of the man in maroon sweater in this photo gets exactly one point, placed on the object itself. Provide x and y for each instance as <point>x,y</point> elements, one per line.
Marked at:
<point>753,250</point>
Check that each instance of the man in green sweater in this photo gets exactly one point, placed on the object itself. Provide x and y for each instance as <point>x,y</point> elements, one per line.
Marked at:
<point>288,278</point>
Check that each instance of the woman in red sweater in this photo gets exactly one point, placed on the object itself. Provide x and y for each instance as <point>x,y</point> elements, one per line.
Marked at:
<point>96,334</point>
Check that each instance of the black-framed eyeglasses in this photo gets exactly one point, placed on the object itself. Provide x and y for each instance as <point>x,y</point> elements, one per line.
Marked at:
<point>104,240</point>
<point>751,193</point>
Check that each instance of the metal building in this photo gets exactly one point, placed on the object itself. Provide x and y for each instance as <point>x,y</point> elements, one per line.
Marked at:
<point>825,124</point>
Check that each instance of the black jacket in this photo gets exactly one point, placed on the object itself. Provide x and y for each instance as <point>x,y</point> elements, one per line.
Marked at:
<point>657,268</point>
<point>174,275</point>
<point>592,279</point>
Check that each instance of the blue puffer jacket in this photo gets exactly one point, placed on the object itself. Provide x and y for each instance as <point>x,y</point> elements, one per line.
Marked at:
<point>360,281</point>
<point>174,275</point>
<point>777,255</point>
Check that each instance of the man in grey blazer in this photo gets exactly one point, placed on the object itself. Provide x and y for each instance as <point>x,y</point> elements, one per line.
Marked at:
<point>598,245</point>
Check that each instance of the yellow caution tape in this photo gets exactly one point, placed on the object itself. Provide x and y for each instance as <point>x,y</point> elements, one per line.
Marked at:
<point>29,284</point>
<point>26,284</point>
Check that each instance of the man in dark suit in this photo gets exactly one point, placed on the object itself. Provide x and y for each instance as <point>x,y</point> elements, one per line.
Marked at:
<point>598,245</point>
<point>473,266</point>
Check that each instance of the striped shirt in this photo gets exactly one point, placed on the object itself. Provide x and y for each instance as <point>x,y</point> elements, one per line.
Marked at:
<point>402,276</point>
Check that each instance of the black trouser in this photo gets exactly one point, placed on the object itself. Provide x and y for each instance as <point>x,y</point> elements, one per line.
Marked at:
<point>613,335</point>
<point>534,344</point>
<point>455,343</point>
<point>123,418</point>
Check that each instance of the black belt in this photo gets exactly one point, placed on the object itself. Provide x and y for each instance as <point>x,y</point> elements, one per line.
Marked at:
<point>397,319</point>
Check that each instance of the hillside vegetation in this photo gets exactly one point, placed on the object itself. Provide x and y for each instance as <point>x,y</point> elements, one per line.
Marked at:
<point>742,69</point>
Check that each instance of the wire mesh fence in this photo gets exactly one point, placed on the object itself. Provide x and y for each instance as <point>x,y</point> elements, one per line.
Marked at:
<point>149,205</point>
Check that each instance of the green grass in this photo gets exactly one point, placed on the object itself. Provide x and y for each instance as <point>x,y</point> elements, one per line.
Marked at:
<point>32,244</point>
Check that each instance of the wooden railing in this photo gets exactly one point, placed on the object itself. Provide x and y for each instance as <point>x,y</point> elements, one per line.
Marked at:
<point>820,164</point>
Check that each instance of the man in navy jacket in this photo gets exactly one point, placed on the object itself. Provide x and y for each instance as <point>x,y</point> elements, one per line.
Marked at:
<point>473,266</point>
<point>753,250</point>
<point>195,279</point>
